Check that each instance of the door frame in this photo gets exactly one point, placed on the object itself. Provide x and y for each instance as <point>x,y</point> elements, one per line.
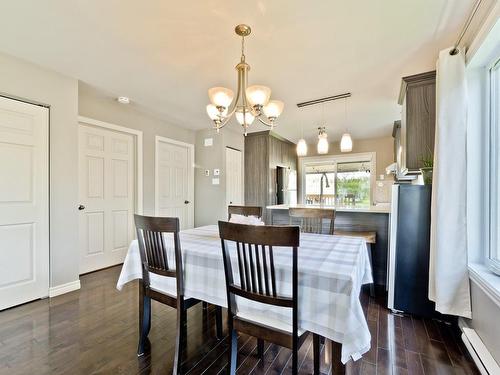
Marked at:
<point>137,134</point>
<point>190,147</point>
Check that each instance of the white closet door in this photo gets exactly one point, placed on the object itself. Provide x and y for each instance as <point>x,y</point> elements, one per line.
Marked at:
<point>234,177</point>
<point>107,191</point>
<point>174,181</point>
<point>24,202</point>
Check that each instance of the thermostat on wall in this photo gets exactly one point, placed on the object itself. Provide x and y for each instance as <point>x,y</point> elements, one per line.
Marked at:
<point>207,172</point>
<point>216,172</point>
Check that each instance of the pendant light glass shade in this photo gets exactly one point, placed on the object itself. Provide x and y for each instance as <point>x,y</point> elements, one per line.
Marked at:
<point>273,109</point>
<point>220,96</point>
<point>301,147</point>
<point>247,118</point>
<point>322,142</point>
<point>258,95</point>
<point>346,143</point>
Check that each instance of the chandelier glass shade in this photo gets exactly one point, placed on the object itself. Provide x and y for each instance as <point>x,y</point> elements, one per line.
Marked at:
<point>250,103</point>
<point>322,141</point>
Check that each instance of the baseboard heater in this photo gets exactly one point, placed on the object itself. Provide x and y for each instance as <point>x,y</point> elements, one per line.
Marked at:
<point>479,353</point>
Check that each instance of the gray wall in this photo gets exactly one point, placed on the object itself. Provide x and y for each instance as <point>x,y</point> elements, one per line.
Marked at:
<point>384,147</point>
<point>98,106</point>
<point>32,83</point>
<point>485,313</point>
<point>210,200</point>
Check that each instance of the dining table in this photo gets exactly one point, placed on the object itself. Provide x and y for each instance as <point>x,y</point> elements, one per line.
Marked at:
<point>331,272</point>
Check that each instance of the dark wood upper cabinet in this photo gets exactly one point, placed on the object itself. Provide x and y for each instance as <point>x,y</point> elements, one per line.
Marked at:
<point>264,151</point>
<point>418,119</point>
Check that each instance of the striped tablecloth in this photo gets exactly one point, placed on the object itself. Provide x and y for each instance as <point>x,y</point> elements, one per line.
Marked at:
<point>331,272</point>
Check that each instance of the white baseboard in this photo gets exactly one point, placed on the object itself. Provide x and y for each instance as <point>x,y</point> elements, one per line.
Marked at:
<point>64,288</point>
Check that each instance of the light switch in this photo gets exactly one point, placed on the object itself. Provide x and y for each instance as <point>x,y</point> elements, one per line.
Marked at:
<point>209,142</point>
<point>216,172</point>
<point>215,181</point>
<point>207,172</point>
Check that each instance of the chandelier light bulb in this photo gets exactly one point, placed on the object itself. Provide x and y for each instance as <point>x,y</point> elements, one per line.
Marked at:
<point>346,143</point>
<point>258,95</point>
<point>220,96</point>
<point>212,112</point>
<point>248,118</point>
<point>273,109</point>
<point>301,147</point>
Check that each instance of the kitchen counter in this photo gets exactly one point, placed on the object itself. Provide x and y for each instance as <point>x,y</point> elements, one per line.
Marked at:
<point>375,218</point>
<point>383,209</point>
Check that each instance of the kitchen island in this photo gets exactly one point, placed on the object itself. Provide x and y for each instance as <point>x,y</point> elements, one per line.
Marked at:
<point>375,218</point>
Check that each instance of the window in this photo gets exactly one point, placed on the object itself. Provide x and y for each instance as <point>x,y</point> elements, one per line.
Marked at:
<point>341,181</point>
<point>494,198</point>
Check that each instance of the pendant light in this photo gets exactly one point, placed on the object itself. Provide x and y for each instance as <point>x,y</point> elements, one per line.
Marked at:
<point>301,144</point>
<point>346,140</point>
<point>322,147</point>
<point>322,141</point>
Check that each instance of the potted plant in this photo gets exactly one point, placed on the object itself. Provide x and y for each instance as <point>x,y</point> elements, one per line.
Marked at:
<point>427,167</point>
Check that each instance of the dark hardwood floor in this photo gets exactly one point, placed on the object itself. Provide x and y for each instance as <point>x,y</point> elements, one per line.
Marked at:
<point>95,331</point>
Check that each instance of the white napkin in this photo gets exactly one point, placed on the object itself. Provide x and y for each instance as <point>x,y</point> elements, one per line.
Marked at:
<point>248,220</point>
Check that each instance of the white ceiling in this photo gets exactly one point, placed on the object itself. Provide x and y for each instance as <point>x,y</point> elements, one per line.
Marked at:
<point>164,55</point>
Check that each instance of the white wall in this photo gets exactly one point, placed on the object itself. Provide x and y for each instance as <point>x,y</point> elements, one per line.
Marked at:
<point>32,83</point>
<point>210,200</point>
<point>99,106</point>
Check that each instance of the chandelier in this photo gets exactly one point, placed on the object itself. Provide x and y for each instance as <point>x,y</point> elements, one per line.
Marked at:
<point>251,102</point>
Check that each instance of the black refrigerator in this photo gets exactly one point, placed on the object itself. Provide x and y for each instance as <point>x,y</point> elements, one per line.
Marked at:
<point>409,250</point>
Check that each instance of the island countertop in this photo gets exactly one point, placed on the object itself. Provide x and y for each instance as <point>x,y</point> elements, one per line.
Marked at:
<point>380,209</point>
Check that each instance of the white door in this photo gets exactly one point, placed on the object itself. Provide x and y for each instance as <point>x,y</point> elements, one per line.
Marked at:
<point>24,202</point>
<point>174,180</point>
<point>234,177</point>
<point>107,196</point>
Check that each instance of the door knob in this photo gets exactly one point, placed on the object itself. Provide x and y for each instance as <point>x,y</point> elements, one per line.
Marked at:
<point>81,207</point>
<point>186,202</point>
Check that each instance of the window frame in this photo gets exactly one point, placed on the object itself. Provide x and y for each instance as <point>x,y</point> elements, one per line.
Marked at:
<point>369,157</point>
<point>493,116</point>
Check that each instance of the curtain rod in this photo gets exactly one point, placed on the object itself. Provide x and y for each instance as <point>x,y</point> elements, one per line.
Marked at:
<point>454,50</point>
<point>322,100</point>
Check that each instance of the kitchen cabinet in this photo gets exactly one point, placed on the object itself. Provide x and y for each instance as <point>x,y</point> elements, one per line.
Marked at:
<point>264,152</point>
<point>418,118</point>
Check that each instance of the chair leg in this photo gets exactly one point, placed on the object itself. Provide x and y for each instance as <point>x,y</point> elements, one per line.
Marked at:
<point>180,337</point>
<point>372,285</point>
<point>144,322</point>
<point>233,350</point>
<point>218,322</point>
<point>295,357</point>
<point>260,348</point>
<point>316,351</point>
<point>337,367</point>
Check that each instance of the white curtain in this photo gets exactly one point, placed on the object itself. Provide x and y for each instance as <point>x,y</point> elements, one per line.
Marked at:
<point>448,276</point>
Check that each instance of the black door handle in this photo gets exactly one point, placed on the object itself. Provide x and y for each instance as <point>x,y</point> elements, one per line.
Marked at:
<point>81,207</point>
<point>186,202</point>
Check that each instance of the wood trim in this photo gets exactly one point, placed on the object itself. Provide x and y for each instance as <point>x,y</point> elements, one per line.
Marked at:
<point>190,147</point>
<point>139,200</point>
<point>411,80</point>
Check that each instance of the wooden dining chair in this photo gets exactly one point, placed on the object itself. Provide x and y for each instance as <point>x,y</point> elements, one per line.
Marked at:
<point>257,282</point>
<point>154,259</point>
<point>244,210</point>
<point>312,218</point>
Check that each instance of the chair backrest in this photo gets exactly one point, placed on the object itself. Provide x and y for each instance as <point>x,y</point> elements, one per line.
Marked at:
<point>244,210</point>
<point>153,249</point>
<point>255,258</point>
<point>311,218</point>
